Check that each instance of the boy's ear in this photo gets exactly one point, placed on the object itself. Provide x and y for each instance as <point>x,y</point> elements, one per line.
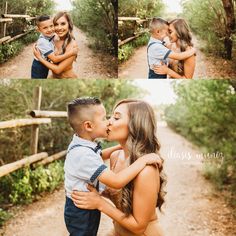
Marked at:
<point>37,28</point>
<point>88,126</point>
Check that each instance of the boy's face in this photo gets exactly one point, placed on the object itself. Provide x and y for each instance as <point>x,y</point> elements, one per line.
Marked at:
<point>161,34</point>
<point>99,122</point>
<point>46,28</point>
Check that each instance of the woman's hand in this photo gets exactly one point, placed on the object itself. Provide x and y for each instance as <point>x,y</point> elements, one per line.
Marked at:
<point>75,50</point>
<point>161,69</point>
<point>36,52</point>
<point>87,200</point>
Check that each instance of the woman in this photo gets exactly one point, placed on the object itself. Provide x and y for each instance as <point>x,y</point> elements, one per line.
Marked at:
<point>133,125</point>
<point>181,40</point>
<point>64,41</point>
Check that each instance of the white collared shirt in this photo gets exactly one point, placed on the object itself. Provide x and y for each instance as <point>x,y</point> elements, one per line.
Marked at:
<point>82,166</point>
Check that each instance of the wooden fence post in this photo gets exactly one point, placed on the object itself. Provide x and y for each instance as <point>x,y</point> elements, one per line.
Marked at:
<point>37,98</point>
<point>5,23</point>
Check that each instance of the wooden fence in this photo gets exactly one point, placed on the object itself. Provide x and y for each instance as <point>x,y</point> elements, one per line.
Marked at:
<point>7,19</point>
<point>137,24</point>
<point>39,117</point>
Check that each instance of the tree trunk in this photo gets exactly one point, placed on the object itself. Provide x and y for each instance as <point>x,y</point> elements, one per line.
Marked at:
<point>230,26</point>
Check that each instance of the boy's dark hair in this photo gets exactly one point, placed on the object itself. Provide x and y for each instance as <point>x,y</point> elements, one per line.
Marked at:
<point>76,110</point>
<point>42,18</point>
<point>157,23</point>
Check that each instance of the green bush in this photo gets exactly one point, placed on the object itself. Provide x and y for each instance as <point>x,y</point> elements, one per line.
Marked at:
<point>23,185</point>
<point>99,20</point>
<point>127,50</point>
<point>12,49</point>
<point>4,215</point>
<point>205,113</point>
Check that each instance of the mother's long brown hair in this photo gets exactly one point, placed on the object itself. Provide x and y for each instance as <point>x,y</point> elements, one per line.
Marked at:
<point>141,140</point>
<point>69,35</point>
<point>184,36</point>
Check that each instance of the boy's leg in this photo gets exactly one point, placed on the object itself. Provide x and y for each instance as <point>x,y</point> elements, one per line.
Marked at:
<point>80,222</point>
<point>38,70</point>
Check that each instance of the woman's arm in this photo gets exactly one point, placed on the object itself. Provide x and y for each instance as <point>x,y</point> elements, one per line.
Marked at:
<point>58,58</point>
<point>189,66</point>
<point>146,187</point>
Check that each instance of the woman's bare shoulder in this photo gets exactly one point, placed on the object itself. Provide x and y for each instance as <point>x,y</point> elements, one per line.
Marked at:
<point>148,173</point>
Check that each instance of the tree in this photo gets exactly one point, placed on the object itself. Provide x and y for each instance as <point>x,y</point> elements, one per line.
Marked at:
<point>229,25</point>
<point>99,20</point>
<point>216,27</point>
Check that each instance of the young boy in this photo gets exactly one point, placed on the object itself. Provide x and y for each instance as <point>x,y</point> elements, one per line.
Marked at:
<point>157,53</point>
<point>84,164</point>
<point>45,44</point>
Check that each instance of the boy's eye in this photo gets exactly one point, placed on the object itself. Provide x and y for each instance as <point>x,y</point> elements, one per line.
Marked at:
<point>108,117</point>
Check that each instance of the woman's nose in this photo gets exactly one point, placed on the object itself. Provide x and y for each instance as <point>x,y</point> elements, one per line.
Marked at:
<point>110,122</point>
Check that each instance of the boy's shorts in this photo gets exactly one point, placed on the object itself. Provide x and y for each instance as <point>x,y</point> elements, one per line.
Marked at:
<point>38,70</point>
<point>80,222</point>
<point>153,75</point>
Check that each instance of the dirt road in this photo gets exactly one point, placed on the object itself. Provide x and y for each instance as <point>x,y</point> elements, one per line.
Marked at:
<point>88,64</point>
<point>192,207</point>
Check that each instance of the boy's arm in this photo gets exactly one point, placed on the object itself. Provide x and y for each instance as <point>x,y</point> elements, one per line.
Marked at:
<point>58,58</point>
<point>182,55</point>
<point>106,153</point>
<point>119,180</point>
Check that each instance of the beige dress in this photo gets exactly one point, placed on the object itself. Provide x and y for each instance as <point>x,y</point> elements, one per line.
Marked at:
<point>153,228</point>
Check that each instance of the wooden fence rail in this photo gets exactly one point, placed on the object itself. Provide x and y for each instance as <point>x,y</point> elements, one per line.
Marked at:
<point>41,117</point>
<point>8,168</point>
<point>46,114</point>
<point>138,21</point>
<point>9,18</point>
<point>23,122</point>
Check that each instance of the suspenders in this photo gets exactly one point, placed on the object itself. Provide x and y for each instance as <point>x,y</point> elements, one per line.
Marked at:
<point>96,149</point>
<point>149,45</point>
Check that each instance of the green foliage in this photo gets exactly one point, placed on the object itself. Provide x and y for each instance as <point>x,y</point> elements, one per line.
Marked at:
<point>212,27</point>
<point>141,8</point>
<point>99,20</point>
<point>23,185</point>
<point>29,7</point>
<point>205,113</point>
<point>12,49</point>
<point>126,51</point>
<point>4,215</point>
<point>56,136</point>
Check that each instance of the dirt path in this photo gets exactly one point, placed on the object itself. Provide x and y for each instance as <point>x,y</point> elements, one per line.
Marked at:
<point>87,65</point>
<point>192,207</point>
<point>206,67</point>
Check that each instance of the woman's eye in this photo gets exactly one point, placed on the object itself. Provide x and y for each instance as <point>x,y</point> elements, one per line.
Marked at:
<point>116,118</point>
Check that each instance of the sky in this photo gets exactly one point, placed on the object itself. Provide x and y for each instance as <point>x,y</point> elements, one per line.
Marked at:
<point>63,5</point>
<point>160,92</point>
<point>173,5</point>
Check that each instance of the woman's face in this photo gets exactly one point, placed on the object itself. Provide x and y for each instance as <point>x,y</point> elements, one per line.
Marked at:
<point>118,124</point>
<point>172,34</point>
<point>62,27</point>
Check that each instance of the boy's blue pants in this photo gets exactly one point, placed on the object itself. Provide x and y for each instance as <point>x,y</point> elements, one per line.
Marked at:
<point>80,222</point>
<point>153,75</point>
<point>38,70</point>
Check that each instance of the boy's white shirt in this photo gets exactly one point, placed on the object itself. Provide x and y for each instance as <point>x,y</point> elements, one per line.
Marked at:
<point>80,164</point>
